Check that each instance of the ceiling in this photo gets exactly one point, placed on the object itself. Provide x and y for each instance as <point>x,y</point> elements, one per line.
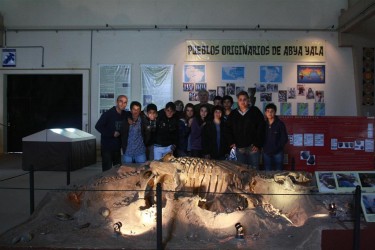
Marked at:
<point>358,20</point>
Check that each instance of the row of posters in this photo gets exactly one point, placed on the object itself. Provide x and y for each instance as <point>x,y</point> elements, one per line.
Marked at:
<point>115,80</point>
<point>157,82</point>
<point>270,77</point>
<point>346,182</point>
<point>267,74</point>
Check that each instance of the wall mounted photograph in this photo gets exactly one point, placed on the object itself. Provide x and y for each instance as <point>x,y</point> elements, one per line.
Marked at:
<point>271,74</point>
<point>345,181</point>
<point>195,73</point>
<point>233,73</point>
<point>311,73</point>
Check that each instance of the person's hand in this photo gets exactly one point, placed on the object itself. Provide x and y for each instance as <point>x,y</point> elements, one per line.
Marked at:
<point>190,122</point>
<point>130,121</point>
<point>116,134</point>
<point>254,149</point>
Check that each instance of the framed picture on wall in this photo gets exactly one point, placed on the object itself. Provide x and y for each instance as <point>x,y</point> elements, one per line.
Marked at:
<point>302,109</point>
<point>232,73</point>
<point>221,91</point>
<point>271,74</point>
<point>285,108</point>
<point>194,73</point>
<point>211,94</point>
<point>188,86</point>
<point>311,73</point>
<point>319,109</point>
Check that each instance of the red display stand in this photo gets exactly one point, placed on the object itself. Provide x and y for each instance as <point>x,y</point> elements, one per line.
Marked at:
<point>329,143</point>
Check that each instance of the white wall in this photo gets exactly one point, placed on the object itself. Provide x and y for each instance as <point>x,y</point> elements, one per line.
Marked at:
<point>71,49</point>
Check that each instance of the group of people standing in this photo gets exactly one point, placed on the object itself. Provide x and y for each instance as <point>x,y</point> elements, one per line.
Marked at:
<point>203,130</point>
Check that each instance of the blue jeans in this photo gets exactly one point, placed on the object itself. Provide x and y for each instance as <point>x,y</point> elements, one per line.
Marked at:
<point>159,152</point>
<point>273,162</point>
<point>134,159</point>
<point>245,156</point>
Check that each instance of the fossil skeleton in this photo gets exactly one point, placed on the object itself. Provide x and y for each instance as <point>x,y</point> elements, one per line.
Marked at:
<point>209,179</point>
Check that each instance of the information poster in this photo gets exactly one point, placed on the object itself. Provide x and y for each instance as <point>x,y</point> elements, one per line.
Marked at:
<point>345,181</point>
<point>114,80</point>
<point>368,206</point>
<point>157,84</point>
<point>330,143</point>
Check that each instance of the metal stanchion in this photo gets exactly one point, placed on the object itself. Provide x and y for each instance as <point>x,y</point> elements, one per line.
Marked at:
<point>159,228</point>
<point>31,183</point>
<point>68,171</point>
<point>357,216</point>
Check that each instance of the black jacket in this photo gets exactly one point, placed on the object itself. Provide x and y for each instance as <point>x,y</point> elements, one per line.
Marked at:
<point>245,130</point>
<point>107,125</point>
<point>276,137</point>
<point>209,141</point>
<point>166,130</point>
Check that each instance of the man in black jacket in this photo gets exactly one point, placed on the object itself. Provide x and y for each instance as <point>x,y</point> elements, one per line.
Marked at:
<point>245,131</point>
<point>166,137</point>
<point>109,126</point>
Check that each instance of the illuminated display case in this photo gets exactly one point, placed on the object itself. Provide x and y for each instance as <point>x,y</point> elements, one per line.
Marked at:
<point>58,149</point>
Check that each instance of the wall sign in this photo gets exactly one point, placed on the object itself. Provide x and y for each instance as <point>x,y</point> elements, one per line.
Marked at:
<point>330,143</point>
<point>248,50</point>
<point>9,57</point>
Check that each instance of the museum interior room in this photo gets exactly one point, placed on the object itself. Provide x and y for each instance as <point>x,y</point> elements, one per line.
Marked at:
<point>65,62</point>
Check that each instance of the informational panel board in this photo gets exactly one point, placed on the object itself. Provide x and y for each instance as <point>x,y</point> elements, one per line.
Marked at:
<point>368,206</point>
<point>329,143</point>
<point>114,80</point>
<point>345,181</point>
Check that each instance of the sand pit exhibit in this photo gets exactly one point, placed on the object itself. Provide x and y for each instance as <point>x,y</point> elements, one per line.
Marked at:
<point>206,204</point>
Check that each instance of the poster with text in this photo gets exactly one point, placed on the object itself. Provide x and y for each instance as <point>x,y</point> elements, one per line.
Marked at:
<point>114,80</point>
<point>157,84</point>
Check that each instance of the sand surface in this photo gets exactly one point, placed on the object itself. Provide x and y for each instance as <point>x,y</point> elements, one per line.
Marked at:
<point>275,213</point>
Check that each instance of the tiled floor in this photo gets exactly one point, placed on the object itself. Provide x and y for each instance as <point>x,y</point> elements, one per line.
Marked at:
<point>15,192</point>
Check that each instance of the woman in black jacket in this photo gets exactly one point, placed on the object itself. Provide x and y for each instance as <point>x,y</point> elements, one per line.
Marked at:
<point>213,140</point>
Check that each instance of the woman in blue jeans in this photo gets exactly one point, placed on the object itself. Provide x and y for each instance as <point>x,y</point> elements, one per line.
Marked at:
<point>275,140</point>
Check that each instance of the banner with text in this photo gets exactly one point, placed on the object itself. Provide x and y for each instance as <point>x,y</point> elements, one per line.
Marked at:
<point>246,50</point>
